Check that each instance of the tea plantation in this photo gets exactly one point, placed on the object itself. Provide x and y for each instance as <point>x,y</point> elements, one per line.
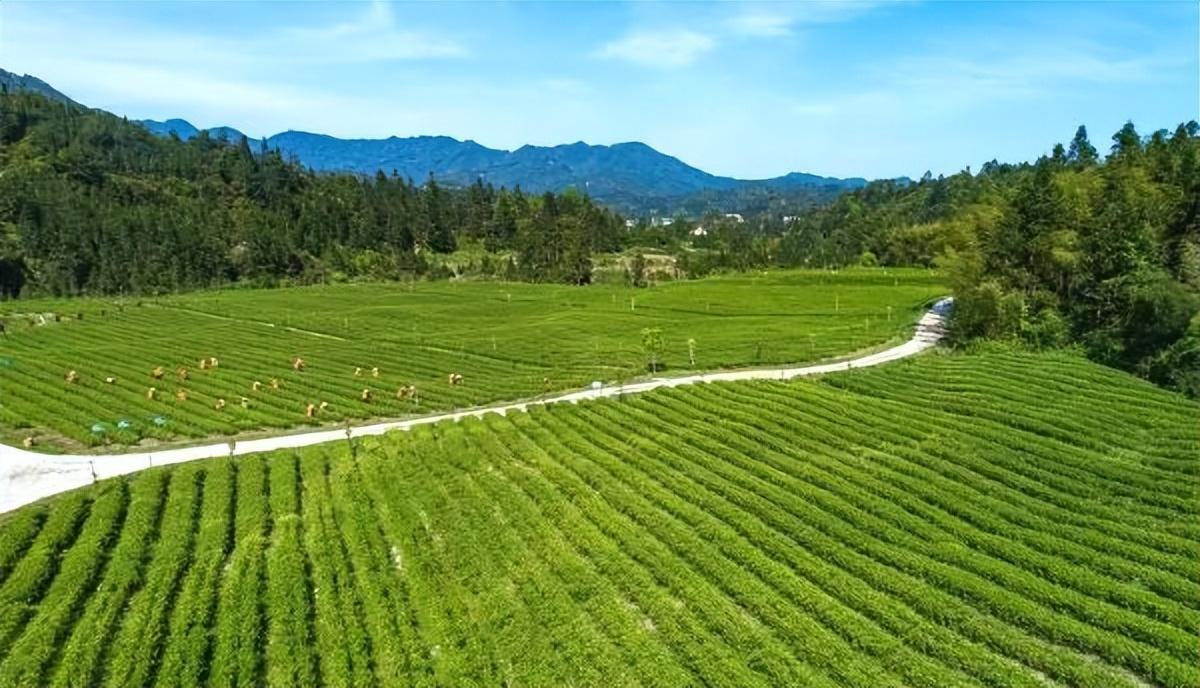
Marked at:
<point>387,350</point>
<point>985,519</point>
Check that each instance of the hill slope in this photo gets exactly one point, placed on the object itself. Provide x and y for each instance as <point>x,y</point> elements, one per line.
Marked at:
<point>889,527</point>
<point>12,83</point>
<point>96,204</point>
<point>1075,248</point>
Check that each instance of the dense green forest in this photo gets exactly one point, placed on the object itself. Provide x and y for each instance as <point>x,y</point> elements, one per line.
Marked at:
<point>91,203</point>
<point>1073,248</point>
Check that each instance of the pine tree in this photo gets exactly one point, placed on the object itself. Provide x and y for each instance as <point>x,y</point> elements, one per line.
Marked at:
<point>501,226</point>
<point>1126,142</point>
<point>438,212</point>
<point>1082,152</point>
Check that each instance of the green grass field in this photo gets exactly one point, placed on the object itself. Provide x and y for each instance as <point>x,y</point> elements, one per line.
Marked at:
<point>992,519</point>
<point>505,339</point>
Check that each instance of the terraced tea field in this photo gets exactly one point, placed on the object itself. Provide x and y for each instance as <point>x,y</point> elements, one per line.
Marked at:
<point>993,519</point>
<point>508,341</point>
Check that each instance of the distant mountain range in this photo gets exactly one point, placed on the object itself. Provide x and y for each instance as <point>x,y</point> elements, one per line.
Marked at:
<point>621,172</point>
<point>632,177</point>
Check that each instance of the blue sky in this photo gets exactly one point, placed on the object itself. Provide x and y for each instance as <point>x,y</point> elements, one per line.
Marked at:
<point>875,89</point>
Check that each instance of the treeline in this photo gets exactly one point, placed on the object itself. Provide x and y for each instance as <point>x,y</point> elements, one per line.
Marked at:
<point>90,203</point>
<point>1074,248</point>
<point>751,198</point>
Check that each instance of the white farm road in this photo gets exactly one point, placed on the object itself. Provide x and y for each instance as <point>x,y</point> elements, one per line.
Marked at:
<point>27,476</point>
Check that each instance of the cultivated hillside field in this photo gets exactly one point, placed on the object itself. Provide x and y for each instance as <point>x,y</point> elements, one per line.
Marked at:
<point>986,519</point>
<point>507,340</point>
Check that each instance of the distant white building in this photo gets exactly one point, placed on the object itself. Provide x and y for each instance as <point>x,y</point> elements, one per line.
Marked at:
<point>630,224</point>
<point>789,219</point>
<point>699,232</point>
<point>737,217</point>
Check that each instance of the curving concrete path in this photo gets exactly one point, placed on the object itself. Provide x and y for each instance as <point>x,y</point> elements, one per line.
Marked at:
<point>26,476</point>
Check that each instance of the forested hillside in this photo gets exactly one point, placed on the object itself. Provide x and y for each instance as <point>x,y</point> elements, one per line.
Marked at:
<point>91,203</point>
<point>1072,248</point>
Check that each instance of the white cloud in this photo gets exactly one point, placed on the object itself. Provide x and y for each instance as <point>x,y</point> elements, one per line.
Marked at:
<point>242,80</point>
<point>1017,73</point>
<point>761,25</point>
<point>945,86</point>
<point>832,11</point>
<point>780,19</point>
<point>666,49</point>
<point>370,37</point>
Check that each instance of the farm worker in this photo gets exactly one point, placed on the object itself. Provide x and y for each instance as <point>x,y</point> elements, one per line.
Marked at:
<point>213,362</point>
<point>324,405</point>
<point>455,379</point>
<point>183,373</point>
<point>181,395</point>
<point>274,383</point>
<point>374,372</point>
<point>220,405</point>
<point>298,364</point>
<point>204,364</point>
<point>256,386</point>
<point>366,395</point>
<point>110,380</point>
<point>151,393</point>
<point>358,372</point>
<point>72,377</point>
<point>158,373</point>
<point>245,403</point>
<point>308,411</point>
<point>545,384</point>
<point>27,442</point>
